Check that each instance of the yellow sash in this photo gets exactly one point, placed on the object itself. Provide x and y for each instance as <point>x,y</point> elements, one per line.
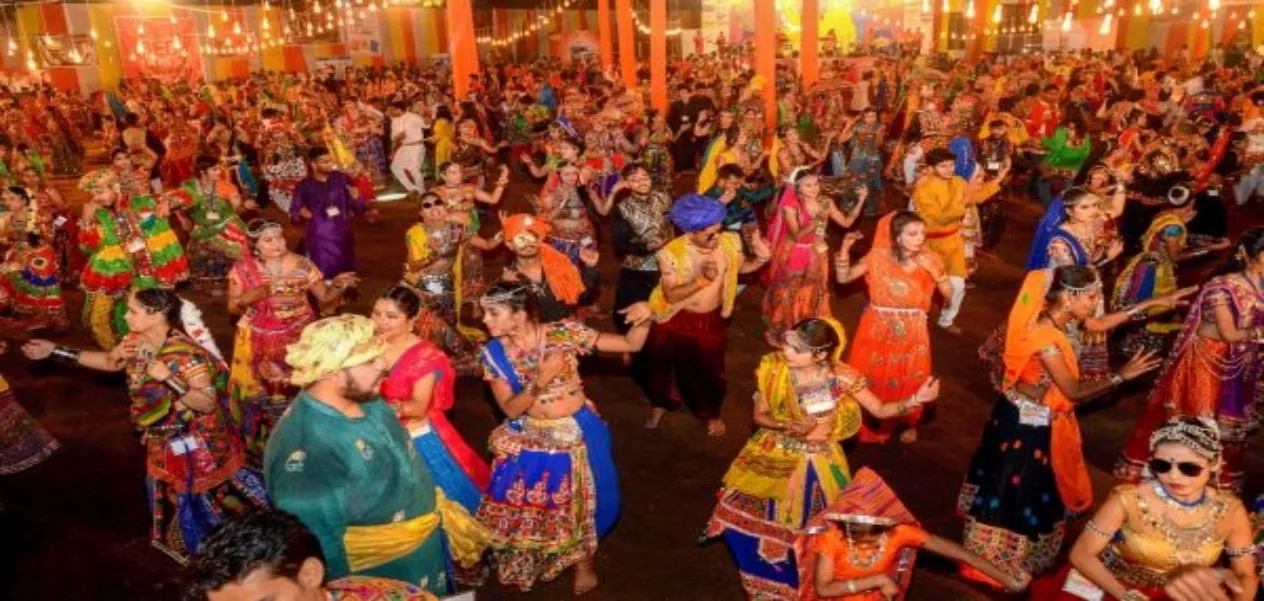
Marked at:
<point>676,252</point>
<point>368,547</point>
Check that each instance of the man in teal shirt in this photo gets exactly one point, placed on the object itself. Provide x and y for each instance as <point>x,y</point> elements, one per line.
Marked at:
<point>341,462</point>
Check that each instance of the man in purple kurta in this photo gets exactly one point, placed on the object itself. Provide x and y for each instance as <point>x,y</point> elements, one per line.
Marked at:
<point>327,200</point>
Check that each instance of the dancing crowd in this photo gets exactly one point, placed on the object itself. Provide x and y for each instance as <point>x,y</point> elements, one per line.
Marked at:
<point>315,459</point>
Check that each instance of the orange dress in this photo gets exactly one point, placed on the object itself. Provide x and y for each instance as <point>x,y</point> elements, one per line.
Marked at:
<point>892,346</point>
<point>834,543</point>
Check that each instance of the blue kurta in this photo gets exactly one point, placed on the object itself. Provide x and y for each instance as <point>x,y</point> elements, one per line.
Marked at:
<point>333,472</point>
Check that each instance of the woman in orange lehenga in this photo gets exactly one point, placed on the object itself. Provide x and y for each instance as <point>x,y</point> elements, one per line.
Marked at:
<point>892,347</point>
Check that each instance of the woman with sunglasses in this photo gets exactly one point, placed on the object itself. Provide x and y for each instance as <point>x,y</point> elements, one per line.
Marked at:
<point>1212,370</point>
<point>1028,474</point>
<point>808,401</point>
<point>196,463</point>
<point>1173,521</point>
<point>433,270</point>
<point>554,445</point>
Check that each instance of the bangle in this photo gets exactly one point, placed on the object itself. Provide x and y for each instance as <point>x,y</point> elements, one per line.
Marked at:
<point>851,587</point>
<point>1116,380</point>
<point>175,386</point>
<point>1134,595</point>
<point>903,407</point>
<point>65,355</point>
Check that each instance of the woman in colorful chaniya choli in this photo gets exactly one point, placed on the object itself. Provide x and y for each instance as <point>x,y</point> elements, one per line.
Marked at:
<point>270,289</point>
<point>807,402</point>
<point>554,490</point>
<point>1212,369</point>
<point>1028,476</point>
<point>797,278</point>
<point>1174,522</point>
<point>197,472</point>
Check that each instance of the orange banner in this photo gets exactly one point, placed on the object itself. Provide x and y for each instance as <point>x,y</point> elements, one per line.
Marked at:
<point>156,53</point>
<point>604,34</point>
<point>658,54</point>
<point>627,43</point>
<point>766,57</point>
<point>810,42</point>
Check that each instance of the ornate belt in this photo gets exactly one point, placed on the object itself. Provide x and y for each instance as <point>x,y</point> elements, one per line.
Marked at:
<point>798,445</point>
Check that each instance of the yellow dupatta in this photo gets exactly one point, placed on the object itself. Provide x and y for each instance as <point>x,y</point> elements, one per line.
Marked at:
<point>711,164</point>
<point>1024,341</point>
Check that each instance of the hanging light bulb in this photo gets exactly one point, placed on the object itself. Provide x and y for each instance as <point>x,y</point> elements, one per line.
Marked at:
<point>946,7</point>
<point>1214,5</point>
<point>1034,14</point>
<point>140,47</point>
<point>1136,10</point>
<point>1205,24</point>
<point>1066,22</point>
<point>996,14</point>
<point>1105,28</point>
<point>925,6</point>
<point>140,29</point>
<point>13,46</point>
<point>265,24</point>
<point>223,15</point>
<point>1176,9</point>
<point>970,9</point>
<point>210,31</point>
<point>175,43</point>
<point>316,8</point>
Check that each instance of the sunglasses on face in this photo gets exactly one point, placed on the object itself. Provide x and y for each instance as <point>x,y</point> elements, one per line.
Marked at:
<point>1188,468</point>
<point>430,205</point>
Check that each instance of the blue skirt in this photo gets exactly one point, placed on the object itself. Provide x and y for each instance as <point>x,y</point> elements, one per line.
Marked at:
<point>446,472</point>
<point>554,493</point>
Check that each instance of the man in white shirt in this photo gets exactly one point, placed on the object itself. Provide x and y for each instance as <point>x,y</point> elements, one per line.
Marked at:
<point>409,150</point>
<point>860,93</point>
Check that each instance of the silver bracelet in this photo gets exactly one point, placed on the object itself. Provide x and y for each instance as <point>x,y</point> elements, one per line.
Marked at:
<point>1116,380</point>
<point>65,355</point>
<point>1095,529</point>
<point>175,386</point>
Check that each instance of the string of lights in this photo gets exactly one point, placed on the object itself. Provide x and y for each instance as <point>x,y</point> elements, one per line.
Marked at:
<point>541,22</point>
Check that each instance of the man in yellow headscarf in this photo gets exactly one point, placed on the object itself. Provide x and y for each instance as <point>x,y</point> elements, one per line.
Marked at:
<point>341,462</point>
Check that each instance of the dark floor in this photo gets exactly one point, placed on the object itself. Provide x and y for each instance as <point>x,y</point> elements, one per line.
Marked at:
<point>75,527</point>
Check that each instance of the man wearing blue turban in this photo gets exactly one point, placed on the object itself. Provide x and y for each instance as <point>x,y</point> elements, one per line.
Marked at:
<point>683,360</point>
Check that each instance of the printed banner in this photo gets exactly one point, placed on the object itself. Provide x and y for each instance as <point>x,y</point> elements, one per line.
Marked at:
<point>66,50</point>
<point>364,37</point>
<point>158,48</point>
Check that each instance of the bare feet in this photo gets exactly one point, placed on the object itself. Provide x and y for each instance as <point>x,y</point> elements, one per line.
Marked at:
<point>656,415</point>
<point>585,577</point>
<point>909,436</point>
<point>715,427</point>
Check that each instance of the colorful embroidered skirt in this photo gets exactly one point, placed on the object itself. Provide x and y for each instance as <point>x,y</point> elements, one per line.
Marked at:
<point>211,258</point>
<point>774,487</point>
<point>554,493</point>
<point>23,443</point>
<point>1013,512</point>
<point>798,292</point>
<point>181,520</point>
<point>892,350</point>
